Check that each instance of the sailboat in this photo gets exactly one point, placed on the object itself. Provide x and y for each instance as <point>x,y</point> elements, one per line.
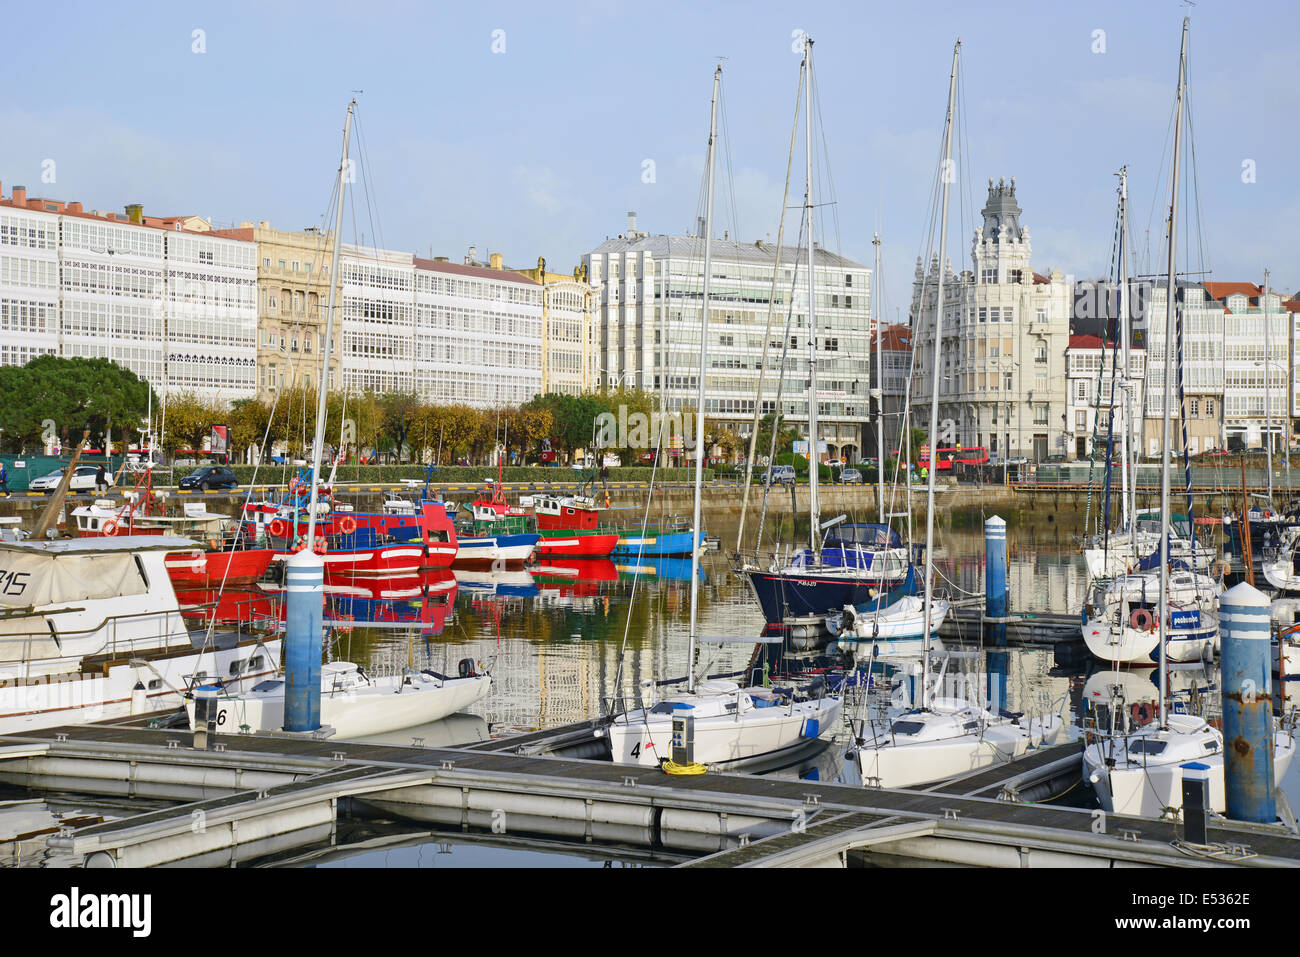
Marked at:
<point>352,702</point>
<point>1138,772</point>
<point>942,736</point>
<point>731,724</point>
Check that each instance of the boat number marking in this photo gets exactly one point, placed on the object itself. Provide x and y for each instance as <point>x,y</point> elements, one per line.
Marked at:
<point>636,750</point>
<point>13,583</point>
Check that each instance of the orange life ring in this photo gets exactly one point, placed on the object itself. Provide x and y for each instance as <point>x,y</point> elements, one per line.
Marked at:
<point>347,525</point>
<point>278,527</point>
<point>1142,620</point>
<point>109,528</point>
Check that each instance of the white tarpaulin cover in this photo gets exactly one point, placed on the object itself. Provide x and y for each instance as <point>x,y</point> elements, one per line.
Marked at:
<point>31,578</point>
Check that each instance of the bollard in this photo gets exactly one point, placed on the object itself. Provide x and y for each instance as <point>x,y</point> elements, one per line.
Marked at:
<point>1247,705</point>
<point>305,602</point>
<point>995,580</point>
<point>1196,802</point>
<point>205,714</point>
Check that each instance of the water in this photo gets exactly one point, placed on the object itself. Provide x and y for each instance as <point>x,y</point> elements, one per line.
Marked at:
<point>563,638</point>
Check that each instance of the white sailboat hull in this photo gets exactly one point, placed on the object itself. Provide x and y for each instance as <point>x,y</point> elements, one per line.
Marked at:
<point>1145,790</point>
<point>889,765</point>
<point>357,712</point>
<point>642,738</point>
<point>1129,645</point>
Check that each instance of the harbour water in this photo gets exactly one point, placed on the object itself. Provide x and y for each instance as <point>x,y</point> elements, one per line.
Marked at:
<point>562,640</point>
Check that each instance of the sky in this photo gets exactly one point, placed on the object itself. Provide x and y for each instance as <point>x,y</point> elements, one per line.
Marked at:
<point>531,129</point>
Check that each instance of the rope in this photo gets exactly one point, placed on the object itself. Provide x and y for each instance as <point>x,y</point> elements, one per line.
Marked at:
<point>693,768</point>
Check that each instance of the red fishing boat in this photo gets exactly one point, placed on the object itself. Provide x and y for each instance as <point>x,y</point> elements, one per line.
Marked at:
<point>569,528</point>
<point>218,565</point>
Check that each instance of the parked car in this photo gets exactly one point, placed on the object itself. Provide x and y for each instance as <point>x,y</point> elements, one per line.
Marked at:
<point>209,477</point>
<point>781,475</point>
<point>851,477</point>
<point>83,480</point>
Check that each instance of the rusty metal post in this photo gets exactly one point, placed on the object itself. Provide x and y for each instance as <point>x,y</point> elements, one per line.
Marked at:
<point>1247,705</point>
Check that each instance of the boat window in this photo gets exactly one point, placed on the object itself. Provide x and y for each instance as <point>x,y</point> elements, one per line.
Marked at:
<point>272,685</point>
<point>155,684</point>
<point>254,662</point>
<point>907,727</point>
<point>1146,746</point>
<point>237,666</point>
<point>663,707</point>
<point>970,726</point>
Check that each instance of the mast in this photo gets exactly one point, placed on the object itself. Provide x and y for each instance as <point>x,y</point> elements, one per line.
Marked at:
<point>880,390</point>
<point>934,372</point>
<point>318,444</point>
<point>696,542</point>
<point>1268,398</point>
<point>814,463</point>
<point>1126,408</point>
<point>767,339</point>
<point>1169,375</point>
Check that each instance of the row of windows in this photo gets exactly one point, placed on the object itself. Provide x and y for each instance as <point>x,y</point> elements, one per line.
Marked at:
<point>28,317</point>
<point>28,273</point>
<point>27,233</point>
<point>104,237</point>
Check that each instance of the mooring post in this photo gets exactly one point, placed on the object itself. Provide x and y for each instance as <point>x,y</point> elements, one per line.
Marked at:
<point>995,606</point>
<point>304,609</point>
<point>1247,705</point>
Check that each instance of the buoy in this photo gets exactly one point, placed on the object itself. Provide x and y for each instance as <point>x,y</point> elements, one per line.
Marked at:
<point>1142,620</point>
<point>347,525</point>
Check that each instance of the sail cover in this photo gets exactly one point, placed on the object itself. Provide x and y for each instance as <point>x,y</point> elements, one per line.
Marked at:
<point>37,578</point>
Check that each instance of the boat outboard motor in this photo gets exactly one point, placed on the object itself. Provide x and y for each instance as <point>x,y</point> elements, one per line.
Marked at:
<point>466,668</point>
<point>817,687</point>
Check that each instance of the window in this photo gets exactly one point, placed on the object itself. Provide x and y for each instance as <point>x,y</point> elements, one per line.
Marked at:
<point>1040,315</point>
<point>267,262</point>
<point>984,314</point>
<point>1080,419</point>
<point>848,302</point>
<point>296,264</point>
<point>1040,352</point>
<point>1196,406</point>
<point>281,263</point>
<point>1015,276</point>
<point>848,280</point>
<point>1209,407</point>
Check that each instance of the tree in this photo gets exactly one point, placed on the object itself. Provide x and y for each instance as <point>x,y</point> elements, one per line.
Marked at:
<point>397,411</point>
<point>189,421</point>
<point>75,394</point>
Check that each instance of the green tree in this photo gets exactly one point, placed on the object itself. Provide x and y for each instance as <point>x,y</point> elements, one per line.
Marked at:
<point>76,394</point>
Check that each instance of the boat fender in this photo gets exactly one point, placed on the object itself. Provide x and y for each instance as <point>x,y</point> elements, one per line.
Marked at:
<point>1141,619</point>
<point>319,546</point>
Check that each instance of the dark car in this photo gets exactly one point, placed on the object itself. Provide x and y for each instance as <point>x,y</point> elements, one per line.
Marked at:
<point>209,477</point>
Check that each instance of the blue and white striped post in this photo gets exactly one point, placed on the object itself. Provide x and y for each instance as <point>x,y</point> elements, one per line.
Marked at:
<point>1247,705</point>
<point>304,609</point>
<point>995,606</point>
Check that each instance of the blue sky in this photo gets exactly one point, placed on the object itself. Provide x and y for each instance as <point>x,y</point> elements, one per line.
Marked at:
<point>539,150</point>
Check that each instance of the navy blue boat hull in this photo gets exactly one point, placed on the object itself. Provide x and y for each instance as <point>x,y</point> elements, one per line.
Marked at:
<point>790,596</point>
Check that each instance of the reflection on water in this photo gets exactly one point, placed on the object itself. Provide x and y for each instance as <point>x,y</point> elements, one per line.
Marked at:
<point>562,637</point>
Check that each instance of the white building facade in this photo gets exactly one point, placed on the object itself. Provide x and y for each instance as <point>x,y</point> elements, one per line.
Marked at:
<point>1006,328</point>
<point>648,322</point>
<point>1203,355</point>
<point>177,307</point>
<point>1256,362</point>
<point>1089,369</point>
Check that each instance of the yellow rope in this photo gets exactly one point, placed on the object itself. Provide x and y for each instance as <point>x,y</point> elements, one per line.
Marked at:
<point>672,767</point>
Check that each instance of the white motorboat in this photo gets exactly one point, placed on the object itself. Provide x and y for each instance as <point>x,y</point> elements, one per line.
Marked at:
<point>353,703</point>
<point>949,737</point>
<point>1139,774</point>
<point>90,629</point>
<point>732,725</point>
<point>1282,564</point>
<point>902,620</point>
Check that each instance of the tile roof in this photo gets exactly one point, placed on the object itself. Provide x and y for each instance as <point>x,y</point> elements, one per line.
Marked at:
<point>483,272</point>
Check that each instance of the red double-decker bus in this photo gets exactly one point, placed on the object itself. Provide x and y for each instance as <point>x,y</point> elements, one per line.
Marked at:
<point>974,455</point>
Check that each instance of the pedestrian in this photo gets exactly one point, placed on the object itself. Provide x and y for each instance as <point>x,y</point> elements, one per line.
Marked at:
<point>4,479</point>
<point>604,475</point>
<point>101,479</point>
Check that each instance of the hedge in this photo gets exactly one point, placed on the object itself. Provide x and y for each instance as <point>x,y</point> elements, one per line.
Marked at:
<point>468,475</point>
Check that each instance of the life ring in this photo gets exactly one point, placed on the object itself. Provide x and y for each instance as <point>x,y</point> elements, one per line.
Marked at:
<point>347,525</point>
<point>1142,620</point>
<point>278,527</point>
<point>109,528</point>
